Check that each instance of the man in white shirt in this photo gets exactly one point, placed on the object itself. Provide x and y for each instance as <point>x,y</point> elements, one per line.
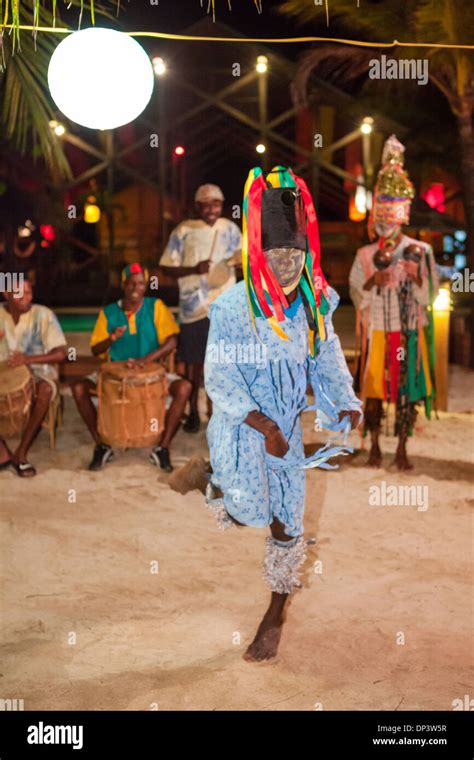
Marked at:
<point>196,256</point>
<point>30,335</point>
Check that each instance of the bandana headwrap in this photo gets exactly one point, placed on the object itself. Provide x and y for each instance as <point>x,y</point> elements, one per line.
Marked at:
<point>393,192</point>
<point>265,296</point>
<point>134,269</point>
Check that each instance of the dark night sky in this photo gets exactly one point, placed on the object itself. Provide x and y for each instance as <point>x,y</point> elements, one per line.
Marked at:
<point>426,115</point>
<point>176,15</point>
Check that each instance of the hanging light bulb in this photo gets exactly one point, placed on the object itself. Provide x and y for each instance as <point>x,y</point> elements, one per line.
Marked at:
<point>262,64</point>
<point>91,210</point>
<point>111,89</point>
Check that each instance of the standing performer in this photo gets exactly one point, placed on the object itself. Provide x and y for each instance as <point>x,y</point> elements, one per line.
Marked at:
<point>138,330</point>
<point>269,337</point>
<point>195,255</point>
<point>393,283</point>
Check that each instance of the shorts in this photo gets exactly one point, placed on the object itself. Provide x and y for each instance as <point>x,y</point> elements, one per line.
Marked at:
<point>193,341</point>
<point>40,375</point>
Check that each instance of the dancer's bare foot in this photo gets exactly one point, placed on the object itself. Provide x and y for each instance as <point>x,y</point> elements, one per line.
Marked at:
<point>266,641</point>
<point>375,456</point>
<point>265,644</point>
<point>401,460</point>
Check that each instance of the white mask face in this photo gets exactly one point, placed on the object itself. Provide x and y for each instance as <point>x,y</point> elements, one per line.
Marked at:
<point>287,265</point>
<point>385,230</point>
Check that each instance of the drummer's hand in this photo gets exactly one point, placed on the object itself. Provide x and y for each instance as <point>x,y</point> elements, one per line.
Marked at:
<point>203,267</point>
<point>354,415</point>
<point>117,333</point>
<point>382,278</point>
<point>132,363</point>
<point>16,359</point>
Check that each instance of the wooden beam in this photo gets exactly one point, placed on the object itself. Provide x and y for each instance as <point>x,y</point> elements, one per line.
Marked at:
<point>83,145</point>
<point>242,117</point>
<point>342,142</point>
<point>85,176</point>
<point>234,87</point>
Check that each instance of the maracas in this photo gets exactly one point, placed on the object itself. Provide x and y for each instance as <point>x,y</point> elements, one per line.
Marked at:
<point>382,259</point>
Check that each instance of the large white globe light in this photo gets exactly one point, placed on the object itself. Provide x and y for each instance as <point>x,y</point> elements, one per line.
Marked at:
<point>100,78</point>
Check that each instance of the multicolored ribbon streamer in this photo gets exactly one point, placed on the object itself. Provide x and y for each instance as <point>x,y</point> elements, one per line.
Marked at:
<point>265,296</point>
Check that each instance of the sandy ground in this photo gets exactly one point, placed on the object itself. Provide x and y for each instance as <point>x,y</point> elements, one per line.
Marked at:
<point>87,625</point>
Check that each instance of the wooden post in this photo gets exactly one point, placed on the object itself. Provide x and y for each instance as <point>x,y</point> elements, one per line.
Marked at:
<point>442,311</point>
<point>367,159</point>
<point>263,110</point>
<point>109,142</point>
<point>162,155</point>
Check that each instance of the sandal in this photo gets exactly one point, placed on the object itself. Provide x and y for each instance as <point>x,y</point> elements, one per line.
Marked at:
<point>4,465</point>
<point>23,469</point>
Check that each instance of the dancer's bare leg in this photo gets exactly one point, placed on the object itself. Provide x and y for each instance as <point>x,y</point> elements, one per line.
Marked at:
<point>194,475</point>
<point>401,458</point>
<point>373,418</point>
<point>266,641</point>
<point>406,423</point>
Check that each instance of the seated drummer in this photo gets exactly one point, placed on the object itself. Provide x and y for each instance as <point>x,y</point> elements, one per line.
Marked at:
<point>30,335</point>
<point>138,330</point>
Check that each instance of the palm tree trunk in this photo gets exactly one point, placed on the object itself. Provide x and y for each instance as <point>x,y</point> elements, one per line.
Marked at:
<point>467,166</point>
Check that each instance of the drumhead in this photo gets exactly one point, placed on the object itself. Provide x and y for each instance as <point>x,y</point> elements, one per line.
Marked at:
<point>12,378</point>
<point>119,371</point>
<point>218,275</point>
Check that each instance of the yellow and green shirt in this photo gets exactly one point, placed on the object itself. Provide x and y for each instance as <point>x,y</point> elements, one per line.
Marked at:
<point>147,329</point>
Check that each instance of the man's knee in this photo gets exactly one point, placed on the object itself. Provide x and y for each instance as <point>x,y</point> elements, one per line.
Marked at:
<point>44,392</point>
<point>80,390</point>
<point>183,389</point>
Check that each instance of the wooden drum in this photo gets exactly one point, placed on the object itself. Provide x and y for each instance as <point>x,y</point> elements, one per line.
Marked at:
<point>132,404</point>
<point>16,397</point>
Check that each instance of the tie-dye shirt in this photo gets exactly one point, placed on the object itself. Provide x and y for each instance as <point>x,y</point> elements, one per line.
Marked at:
<point>190,243</point>
<point>37,332</point>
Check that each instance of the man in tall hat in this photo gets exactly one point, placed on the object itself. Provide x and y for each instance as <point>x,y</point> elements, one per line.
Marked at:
<point>270,336</point>
<point>393,282</point>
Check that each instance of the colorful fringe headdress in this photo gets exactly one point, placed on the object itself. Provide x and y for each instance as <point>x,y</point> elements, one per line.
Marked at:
<point>393,192</point>
<point>265,296</point>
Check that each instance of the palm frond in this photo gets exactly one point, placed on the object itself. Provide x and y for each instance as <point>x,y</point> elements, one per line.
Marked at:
<point>42,14</point>
<point>431,21</point>
<point>211,6</point>
<point>369,19</point>
<point>337,64</point>
<point>25,104</point>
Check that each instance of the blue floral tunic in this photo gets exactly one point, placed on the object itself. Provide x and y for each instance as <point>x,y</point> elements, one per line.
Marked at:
<point>245,372</point>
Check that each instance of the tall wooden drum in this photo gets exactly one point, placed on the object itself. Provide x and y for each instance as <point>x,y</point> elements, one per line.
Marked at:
<point>16,398</point>
<point>132,404</point>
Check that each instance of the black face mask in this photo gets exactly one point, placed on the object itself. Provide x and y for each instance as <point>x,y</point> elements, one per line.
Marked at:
<point>286,264</point>
<point>283,219</point>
